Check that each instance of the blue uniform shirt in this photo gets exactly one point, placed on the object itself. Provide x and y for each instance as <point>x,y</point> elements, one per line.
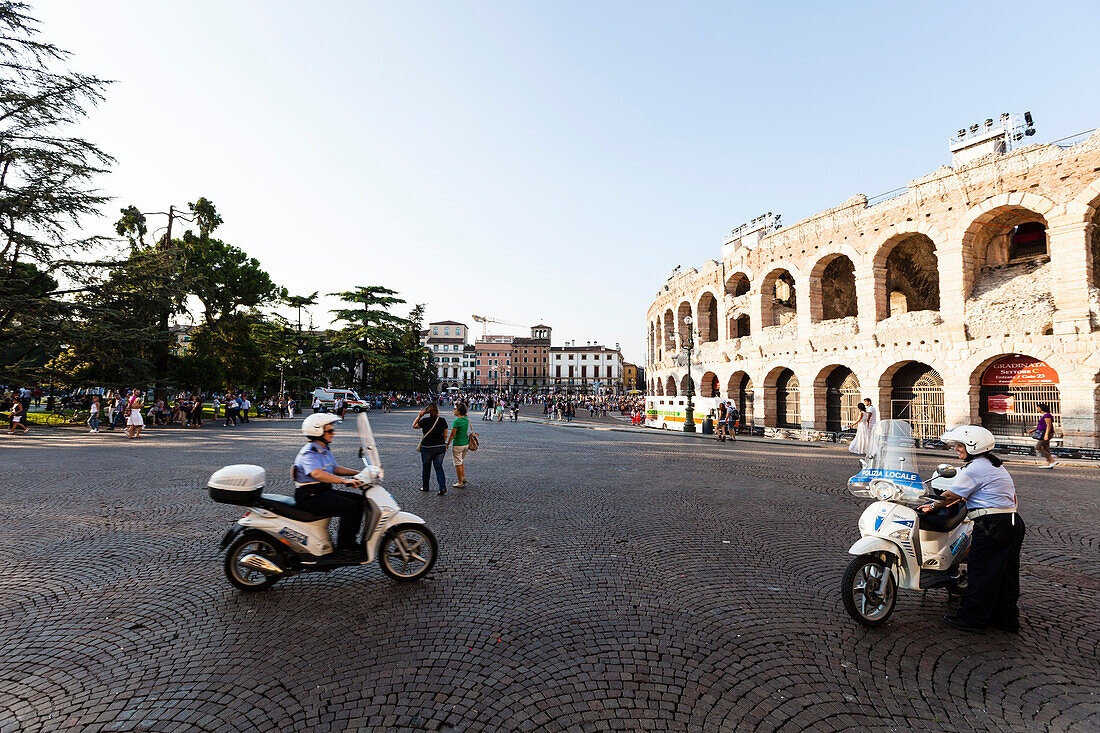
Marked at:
<point>984,486</point>
<point>312,456</point>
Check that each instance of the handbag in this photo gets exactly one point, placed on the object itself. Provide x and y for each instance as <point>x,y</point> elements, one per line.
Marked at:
<point>1036,434</point>
<point>474,442</point>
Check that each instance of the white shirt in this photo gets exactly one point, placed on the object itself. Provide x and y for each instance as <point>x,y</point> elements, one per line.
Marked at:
<point>984,485</point>
<point>872,416</point>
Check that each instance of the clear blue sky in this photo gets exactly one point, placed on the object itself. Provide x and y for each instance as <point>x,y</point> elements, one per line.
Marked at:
<point>547,161</point>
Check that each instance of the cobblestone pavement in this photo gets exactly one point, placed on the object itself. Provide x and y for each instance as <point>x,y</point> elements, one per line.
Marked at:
<point>588,580</point>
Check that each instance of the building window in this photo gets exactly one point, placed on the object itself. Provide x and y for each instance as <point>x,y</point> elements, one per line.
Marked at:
<point>435,330</point>
<point>447,331</point>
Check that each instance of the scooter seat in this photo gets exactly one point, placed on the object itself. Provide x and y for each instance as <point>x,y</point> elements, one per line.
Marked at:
<point>285,506</point>
<point>943,520</point>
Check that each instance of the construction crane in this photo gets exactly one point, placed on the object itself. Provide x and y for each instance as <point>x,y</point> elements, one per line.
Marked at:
<point>486,320</point>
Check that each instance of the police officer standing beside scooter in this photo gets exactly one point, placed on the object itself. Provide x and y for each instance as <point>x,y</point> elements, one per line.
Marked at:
<point>993,562</point>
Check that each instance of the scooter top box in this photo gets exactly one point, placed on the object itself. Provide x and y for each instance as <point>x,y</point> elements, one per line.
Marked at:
<point>238,484</point>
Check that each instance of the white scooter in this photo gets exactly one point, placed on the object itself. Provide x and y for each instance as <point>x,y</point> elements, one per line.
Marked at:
<point>277,539</point>
<point>901,547</point>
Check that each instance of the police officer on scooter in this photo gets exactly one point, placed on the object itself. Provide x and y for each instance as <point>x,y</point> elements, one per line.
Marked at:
<point>316,473</point>
<point>993,563</point>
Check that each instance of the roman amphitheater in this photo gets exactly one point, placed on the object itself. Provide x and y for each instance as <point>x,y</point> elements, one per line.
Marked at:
<point>968,297</point>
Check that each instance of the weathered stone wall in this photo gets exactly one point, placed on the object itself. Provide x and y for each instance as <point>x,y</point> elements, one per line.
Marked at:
<point>1048,308</point>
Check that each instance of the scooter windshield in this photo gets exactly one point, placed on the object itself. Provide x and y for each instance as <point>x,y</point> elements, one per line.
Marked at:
<point>368,449</point>
<point>891,457</point>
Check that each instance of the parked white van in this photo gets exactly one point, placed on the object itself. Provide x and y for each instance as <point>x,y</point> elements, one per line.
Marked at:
<point>329,395</point>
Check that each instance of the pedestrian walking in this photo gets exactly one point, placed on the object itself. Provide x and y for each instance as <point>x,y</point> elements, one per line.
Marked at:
<point>1042,434</point>
<point>872,416</point>
<point>433,446</point>
<point>134,421</point>
<point>246,405</point>
<point>459,440</point>
<point>733,421</point>
<point>721,438</point>
<point>93,415</point>
<point>18,418</point>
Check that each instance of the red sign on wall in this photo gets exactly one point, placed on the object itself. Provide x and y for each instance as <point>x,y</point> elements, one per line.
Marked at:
<point>1001,404</point>
<point>1019,371</point>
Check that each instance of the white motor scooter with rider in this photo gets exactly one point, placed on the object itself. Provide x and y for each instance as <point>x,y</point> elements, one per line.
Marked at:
<point>277,538</point>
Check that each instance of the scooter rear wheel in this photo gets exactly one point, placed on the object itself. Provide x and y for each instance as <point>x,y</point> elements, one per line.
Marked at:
<point>245,578</point>
<point>860,590</point>
<point>408,552</point>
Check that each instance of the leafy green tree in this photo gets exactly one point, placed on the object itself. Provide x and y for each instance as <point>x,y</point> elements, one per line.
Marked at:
<point>46,189</point>
<point>369,338</point>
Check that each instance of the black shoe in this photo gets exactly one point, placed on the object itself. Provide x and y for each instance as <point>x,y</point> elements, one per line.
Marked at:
<point>442,491</point>
<point>424,489</point>
<point>962,623</point>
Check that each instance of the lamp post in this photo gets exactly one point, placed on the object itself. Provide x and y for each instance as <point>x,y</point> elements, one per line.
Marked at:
<point>689,415</point>
<point>282,365</point>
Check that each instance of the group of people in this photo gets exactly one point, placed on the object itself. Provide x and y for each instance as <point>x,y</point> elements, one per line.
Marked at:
<point>727,421</point>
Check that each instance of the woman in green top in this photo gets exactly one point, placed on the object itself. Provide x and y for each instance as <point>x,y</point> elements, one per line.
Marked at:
<point>459,440</point>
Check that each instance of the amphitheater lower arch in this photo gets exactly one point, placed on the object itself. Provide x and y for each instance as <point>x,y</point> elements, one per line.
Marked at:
<point>739,389</point>
<point>709,385</point>
<point>670,386</point>
<point>782,402</point>
<point>913,391</point>
<point>836,393</point>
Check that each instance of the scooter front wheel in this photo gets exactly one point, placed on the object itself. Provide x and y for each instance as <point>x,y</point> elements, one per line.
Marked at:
<point>240,574</point>
<point>861,591</point>
<point>408,552</point>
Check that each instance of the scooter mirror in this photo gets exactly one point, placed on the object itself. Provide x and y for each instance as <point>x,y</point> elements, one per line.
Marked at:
<point>946,470</point>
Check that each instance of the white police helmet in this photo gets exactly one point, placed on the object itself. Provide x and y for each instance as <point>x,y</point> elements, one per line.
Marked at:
<point>314,425</point>
<point>974,438</point>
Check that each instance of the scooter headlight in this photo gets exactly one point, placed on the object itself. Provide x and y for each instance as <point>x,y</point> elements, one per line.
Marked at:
<point>884,490</point>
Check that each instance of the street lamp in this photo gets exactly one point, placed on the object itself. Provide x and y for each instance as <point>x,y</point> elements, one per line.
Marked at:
<point>689,416</point>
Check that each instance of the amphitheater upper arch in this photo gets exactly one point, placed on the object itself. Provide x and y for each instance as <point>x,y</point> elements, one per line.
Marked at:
<point>885,240</point>
<point>976,216</point>
<point>822,258</point>
<point>1085,204</point>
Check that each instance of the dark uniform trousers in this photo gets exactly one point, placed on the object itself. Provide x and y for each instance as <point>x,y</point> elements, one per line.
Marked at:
<point>320,498</point>
<point>993,571</point>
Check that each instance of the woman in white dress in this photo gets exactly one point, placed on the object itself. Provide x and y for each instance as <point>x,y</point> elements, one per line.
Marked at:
<point>862,441</point>
<point>134,423</point>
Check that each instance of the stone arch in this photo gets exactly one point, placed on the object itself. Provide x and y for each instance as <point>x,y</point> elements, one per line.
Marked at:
<point>739,389</point>
<point>682,329</point>
<point>709,385</point>
<point>992,233</point>
<point>707,317</point>
<point>778,300</point>
<point>670,386</point>
<point>686,383</point>
<point>833,287</point>
<point>781,399</point>
<point>912,390</point>
<point>836,392</point>
<point>669,332</point>
<point>740,325</point>
<point>907,275</point>
<point>1086,205</point>
<point>659,389</point>
<point>1021,395</point>
<point>739,283</point>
